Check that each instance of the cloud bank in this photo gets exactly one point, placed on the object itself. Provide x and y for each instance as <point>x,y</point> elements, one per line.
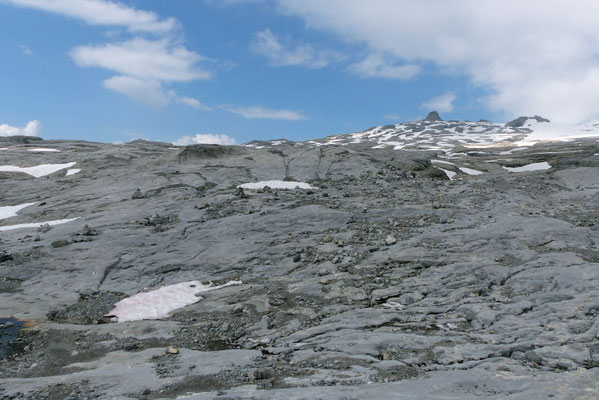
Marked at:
<point>33,128</point>
<point>534,56</point>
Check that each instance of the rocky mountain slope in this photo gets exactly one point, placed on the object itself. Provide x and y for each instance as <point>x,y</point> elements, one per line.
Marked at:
<point>430,258</point>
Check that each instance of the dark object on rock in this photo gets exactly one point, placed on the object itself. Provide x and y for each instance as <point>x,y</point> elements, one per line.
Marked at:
<point>138,195</point>
<point>433,116</point>
<point>44,228</point>
<point>4,256</point>
<point>263,373</point>
<point>484,120</point>
<point>60,243</point>
<point>202,151</point>
<point>130,346</point>
<point>267,189</point>
<point>520,121</point>
<point>297,258</point>
<point>21,139</point>
<point>87,231</point>
<point>240,193</point>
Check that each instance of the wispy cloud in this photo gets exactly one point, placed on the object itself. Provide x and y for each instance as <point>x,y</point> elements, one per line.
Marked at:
<point>443,103</point>
<point>376,66</point>
<point>281,52</point>
<point>148,92</point>
<point>100,12</point>
<point>144,59</point>
<point>393,117</point>
<point>193,103</point>
<point>33,128</point>
<point>265,113</point>
<point>25,50</point>
<point>207,138</point>
<point>143,66</point>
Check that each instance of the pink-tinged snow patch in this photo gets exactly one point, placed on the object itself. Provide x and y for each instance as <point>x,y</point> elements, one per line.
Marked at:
<point>37,224</point>
<point>38,170</point>
<point>72,171</point>
<point>43,150</point>
<point>530,167</point>
<point>277,185</point>
<point>161,302</point>
<point>11,211</point>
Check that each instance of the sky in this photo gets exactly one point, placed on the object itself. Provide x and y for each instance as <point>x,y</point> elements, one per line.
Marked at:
<point>232,71</point>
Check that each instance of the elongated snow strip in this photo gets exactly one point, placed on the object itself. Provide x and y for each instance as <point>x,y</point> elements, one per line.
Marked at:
<point>11,211</point>
<point>38,170</point>
<point>277,185</point>
<point>530,167</point>
<point>159,303</point>
<point>37,224</point>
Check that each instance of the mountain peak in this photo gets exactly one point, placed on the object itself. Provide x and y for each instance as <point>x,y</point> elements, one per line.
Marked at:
<point>520,121</point>
<point>433,116</point>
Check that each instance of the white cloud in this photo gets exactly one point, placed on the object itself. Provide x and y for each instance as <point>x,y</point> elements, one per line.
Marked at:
<point>142,67</point>
<point>284,54</point>
<point>375,66</point>
<point>443,103</point>
<point>534,56</point>
<point>100,12</point>
<point>146,91</point>
<point>144,59</point>
<point>33,128</point>
<point>205,139</point>
<point>266,113</point>
<point>193,103</point>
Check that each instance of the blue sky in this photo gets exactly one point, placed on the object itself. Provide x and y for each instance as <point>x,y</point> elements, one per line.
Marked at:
<point>237,70</point>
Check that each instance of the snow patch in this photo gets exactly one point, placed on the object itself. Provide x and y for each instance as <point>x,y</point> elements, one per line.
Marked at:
<point>38,170</point>
<point>277,185</point>
<point>37,224</point>
<point>530,167</point>
<point>442,162</point>
<point>72,171</point>
<point>470,171</point>
<point>450,174</point>
<point>43,150</point>
<point>11,211</point>
<point>159,303</point>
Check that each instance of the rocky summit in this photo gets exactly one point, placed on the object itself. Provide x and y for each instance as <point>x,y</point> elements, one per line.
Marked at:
<point>428,259</point>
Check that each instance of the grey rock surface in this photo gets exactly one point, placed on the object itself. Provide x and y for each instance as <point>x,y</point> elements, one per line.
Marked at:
<point>387,281</point>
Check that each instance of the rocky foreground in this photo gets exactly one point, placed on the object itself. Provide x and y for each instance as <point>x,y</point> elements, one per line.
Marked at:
<point>387,280</point>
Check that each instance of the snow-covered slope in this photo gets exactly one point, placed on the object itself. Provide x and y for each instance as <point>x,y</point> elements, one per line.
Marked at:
<point>433,133</point>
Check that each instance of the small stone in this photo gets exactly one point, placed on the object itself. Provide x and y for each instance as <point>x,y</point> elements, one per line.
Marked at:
<point>60,243</point>
<point>137,195</point>
<point>172,350</point>
<point>131,346</point>
<point>240,193</point>
<point>390,240</point>
<point>386,357</point>
<point>327,239</point>
<point>297,258</point>
<point>263,373</point>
